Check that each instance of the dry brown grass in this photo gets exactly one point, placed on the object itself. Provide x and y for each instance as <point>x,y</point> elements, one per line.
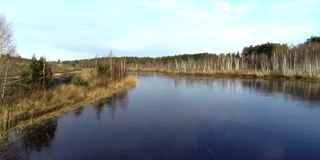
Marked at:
<point>16,63</point>
<point>60,67</point>
<point>42,105</point>
<point>235,73</point>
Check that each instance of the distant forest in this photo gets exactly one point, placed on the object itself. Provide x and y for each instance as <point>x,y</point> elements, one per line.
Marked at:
<point>269,59</point>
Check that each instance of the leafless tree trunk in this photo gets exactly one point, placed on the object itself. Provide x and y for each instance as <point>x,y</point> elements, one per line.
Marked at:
<point>5,79</point>
<point>44,74</point>
<point>7,49</point>
<point>111,64</point>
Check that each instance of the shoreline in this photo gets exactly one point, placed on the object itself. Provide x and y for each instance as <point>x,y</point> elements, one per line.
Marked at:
<point>236,74</point>
<point>52,112</point>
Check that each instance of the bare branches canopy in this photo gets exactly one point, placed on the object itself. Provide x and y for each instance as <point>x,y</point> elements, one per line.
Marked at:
<point>7,45</point>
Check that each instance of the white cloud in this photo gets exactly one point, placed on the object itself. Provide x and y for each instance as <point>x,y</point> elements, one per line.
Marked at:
<point>227,7</point>
<point>168,26</point>
<point>223,6</point>
<point>161,4</point>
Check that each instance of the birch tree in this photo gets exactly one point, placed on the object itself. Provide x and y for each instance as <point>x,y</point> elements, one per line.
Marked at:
<point>7,49</point>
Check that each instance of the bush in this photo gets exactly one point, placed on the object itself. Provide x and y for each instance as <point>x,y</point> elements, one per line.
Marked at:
<point>78,81</point>
<point>36,74</point>
<point>104,69</point>
<point>26,76</point>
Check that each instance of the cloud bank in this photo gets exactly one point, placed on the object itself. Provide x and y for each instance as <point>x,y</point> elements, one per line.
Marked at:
<point>83,29</point>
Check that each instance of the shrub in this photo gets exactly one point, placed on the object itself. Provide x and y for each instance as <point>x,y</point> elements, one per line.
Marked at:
<point>104,69</point>
<point>26,76</point>
<point>78,81</point>
<point>36,73</point>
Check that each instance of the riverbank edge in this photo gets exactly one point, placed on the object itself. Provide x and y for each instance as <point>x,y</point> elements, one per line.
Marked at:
<point>116,87</point>
<point>237,74</point>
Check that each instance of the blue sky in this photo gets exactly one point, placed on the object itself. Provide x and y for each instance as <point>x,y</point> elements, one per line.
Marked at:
<point>74,29</point>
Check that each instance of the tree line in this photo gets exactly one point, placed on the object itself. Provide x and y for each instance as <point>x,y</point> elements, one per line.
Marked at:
<point>301,60</point>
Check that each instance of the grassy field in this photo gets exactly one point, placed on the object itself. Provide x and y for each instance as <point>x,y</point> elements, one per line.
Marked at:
<point>16,63</point>
<point>42,105</point>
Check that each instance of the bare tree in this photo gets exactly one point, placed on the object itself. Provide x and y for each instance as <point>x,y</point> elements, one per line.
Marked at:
<point>111,63</point>
<point>7,49</point>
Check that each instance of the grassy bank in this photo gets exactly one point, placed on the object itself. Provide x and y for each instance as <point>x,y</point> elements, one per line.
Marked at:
<point>234,73</point>
<point>42,105</point>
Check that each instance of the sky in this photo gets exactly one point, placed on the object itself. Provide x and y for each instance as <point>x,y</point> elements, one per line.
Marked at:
<point>76,29</point>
